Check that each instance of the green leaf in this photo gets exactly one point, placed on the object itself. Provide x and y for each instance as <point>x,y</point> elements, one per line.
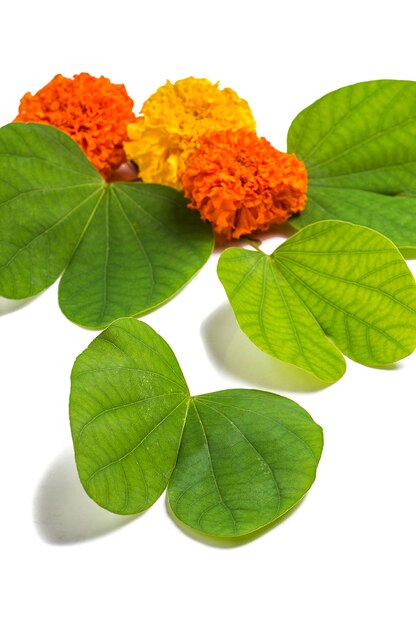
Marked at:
<point>246,458</point>
<point>332,279</point>
<point>358,145</point>
<point>273,316</point>
<point>128,405</point>
<point>127,247</point>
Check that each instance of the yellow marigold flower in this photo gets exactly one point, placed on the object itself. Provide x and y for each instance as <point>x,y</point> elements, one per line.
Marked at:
<point>93,111</point>
<point>240,183</point>
<point>173,119</point>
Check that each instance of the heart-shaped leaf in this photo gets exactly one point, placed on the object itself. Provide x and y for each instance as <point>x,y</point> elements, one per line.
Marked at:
<point>332,279</point>
<point>127,247</point>
<point>128,405</point>
<point>358,145</point>
<point>246,457</point>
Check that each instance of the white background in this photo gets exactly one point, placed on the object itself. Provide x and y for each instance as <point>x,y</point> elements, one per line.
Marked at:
<point>346,555</point>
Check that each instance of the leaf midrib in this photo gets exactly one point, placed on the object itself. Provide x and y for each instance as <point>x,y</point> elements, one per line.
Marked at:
<point>344,312</point>
<point>342,120</point>
<point>278,423</point>
<point>316,372</point>
<point>107,254</point>
<point>288,312</point>
<point>54,225</point>
<point>130,452</point>
<point>360,144</point>
<point>123,406</point>
<point>263,460</point>
<point>269,260</point>
<point>342,279</point>
<point>313,181</point>
<point>307,113</point>
<point>226,507</point>
<point>140,246</point>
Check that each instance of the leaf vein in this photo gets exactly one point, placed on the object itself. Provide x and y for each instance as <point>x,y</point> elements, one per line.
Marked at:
<point>225,506</point>
<point>136,447</point>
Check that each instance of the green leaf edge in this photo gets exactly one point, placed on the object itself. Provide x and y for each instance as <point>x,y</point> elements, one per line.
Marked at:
<point>324,380</point>
<point>299,221</point>
<point>141,312</point>
<point>263,526</point>
<point>103,187</point>
<point>272,521</point>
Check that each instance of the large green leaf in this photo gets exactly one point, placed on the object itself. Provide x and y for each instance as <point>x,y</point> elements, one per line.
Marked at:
<point>358,145</point>
<point>128,405</point>
<point>246,457</point>
<point>332,279</point>
<point>128,247</point>
<point>273,316</point>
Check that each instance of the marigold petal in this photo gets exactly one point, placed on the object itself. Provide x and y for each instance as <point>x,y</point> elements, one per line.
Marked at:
<point>173,119</point>
<point>241,184</point>
<point>93,111</point>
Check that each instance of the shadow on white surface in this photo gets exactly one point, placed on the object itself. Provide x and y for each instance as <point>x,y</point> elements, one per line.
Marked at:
<point>233,542</point>
<point>233,352</point>
<point>10,306</point>
<point>278,233</point>
<point>64,514</point>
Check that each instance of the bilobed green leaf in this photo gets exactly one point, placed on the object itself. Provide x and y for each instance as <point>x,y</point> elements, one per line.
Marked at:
<point>128,405</point>
<point>245,457</point>
<point>332,279</point>
<point>142,246</point>
<point>358,145</point>
<point>273,316</point>
<point>127,247</point>
<point>48,190</point>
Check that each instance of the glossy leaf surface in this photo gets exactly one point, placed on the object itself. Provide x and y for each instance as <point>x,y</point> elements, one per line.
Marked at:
<point>245,457</point>
<point>332,279</point>
<point>126,247</point>
<point>358,145</point>
<point>128,406</point>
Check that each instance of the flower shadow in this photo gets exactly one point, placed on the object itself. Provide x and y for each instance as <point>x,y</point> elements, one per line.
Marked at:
<point>277,233</point>
<point>229,542</point>
<point>64,514</point>
<point>231,351</point>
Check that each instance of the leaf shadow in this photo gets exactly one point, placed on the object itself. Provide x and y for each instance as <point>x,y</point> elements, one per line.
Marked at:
<point>233,352</point>
<point>10,306</point>
<point>63,512</point>
<point>228,542</point>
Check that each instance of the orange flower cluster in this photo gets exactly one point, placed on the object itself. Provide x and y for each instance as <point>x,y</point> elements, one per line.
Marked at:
<point>93,111</point>
<point>240,183</point>
<point>171,120</point>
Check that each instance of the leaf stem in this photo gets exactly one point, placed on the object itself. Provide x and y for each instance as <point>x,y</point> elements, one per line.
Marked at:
<point>255,243</point>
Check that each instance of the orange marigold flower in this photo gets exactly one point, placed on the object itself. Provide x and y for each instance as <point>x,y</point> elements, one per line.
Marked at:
<point>173,118</point>
<point>93,111</point>
<point>240,183</point>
